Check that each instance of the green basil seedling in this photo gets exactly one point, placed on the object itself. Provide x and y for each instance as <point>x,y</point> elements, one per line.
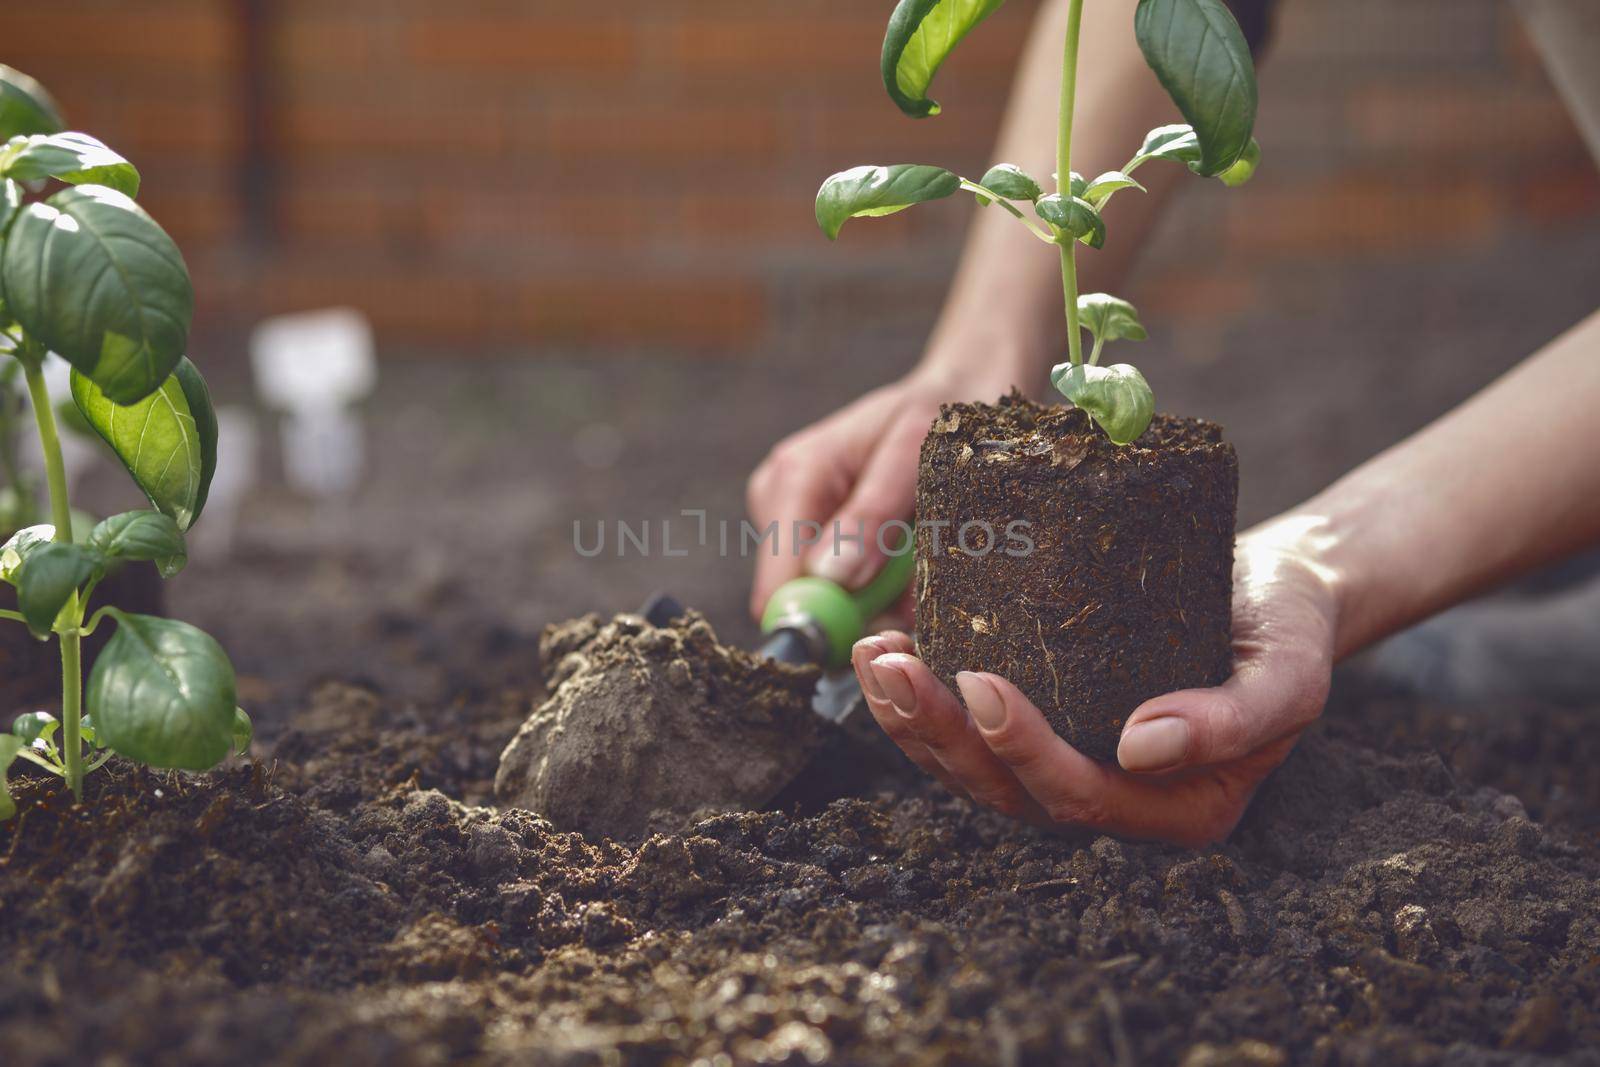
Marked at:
<point>1200,58</point>
<point>87,274</point>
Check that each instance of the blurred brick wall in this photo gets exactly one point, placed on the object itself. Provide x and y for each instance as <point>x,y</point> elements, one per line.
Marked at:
<point>491,173</point>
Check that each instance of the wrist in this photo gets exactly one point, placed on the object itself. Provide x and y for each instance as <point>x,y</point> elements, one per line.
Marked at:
<point>984,364</point>
<point>1333,537</point>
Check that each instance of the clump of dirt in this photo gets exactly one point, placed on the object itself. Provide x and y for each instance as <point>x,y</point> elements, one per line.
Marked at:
<point>645,725</point>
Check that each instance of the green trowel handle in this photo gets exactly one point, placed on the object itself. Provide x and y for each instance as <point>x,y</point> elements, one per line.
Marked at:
<point>879,595</point>
<point>838,614</point>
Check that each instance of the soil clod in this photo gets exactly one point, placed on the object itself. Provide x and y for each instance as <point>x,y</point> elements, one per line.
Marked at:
<point>646,725</point>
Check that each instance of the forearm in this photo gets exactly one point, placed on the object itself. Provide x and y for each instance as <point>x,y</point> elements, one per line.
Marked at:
<point>1507,481</point>
<point>1004,315</point>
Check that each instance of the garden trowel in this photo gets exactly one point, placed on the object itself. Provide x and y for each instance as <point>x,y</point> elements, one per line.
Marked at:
<point>815,621</point>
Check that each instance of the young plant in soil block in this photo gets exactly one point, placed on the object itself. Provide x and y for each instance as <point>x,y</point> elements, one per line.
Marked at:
<point>1124,592</point>
<point>87,275</point>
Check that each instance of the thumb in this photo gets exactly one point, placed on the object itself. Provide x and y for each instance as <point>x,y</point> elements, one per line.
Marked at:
<point>1262,703</point>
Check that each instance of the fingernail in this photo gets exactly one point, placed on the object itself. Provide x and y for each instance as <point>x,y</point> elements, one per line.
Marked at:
<point>983,700</point>
<point>837,567</point>
<point>866,650</point>
<point>897,688</point>
<point>1154,744</point>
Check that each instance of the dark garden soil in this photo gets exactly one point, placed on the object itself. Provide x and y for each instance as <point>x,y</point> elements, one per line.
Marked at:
<point>345,902</point>
<point>1094,577</point>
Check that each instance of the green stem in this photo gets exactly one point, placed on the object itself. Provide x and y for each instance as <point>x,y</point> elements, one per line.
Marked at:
<point>55,473</point>
<point>1094,353</point>
<point>1069,247</point>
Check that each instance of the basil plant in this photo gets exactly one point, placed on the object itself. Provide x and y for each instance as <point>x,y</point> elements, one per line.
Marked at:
<point>1200,57</point>
<point>87,275</point>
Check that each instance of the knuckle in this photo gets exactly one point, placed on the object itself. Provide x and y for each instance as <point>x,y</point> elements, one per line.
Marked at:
<point>1014,748</point>
<point>1003,801</point>
<point>779,465</point>
<point>1079,811</point>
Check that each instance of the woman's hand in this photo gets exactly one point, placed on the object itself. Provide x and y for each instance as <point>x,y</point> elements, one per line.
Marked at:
<point>1190,760</point>
<point>858,468</point>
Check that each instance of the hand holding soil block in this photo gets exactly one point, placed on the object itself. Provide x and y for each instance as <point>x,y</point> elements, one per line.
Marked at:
<point>1126,591</point>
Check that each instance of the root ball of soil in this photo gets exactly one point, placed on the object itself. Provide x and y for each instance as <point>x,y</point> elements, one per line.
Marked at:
<point>646,725</point>
<point>1117,585</point>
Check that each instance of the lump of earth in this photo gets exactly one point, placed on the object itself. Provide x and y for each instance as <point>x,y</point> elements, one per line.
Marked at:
<point>645,725</point>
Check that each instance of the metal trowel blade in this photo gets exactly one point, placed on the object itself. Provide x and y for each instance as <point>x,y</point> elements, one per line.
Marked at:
<point>838,695</point>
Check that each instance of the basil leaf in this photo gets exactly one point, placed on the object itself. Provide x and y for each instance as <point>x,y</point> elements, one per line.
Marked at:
<point>142,535</point>
<point>244,732</point>
<point>1074,216</point>
<point>1110,318</point>
<point>25,107</point>
<point>1244,168</point>
<point>1200,57</point>
<point>921,36</point>
<point>1099,191</point>
<point>19,546</point>
<point>10,205</point>
<point>49,577</point>
<point>1117,397</point>
<point>32,725</point>
<point>163,694</point>
<point>1176,142</point>
<point>92,277</point>
<point>75,158</point>
<point>872,191</point>
<point>167,441</point>
<point>1010,182</point>
<point>9,747</point>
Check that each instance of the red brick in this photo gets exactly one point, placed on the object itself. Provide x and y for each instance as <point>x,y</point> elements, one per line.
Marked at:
<point>328,127</point>
<point>1461,120</point>
<point>1209,294</point>
<point>625,131</point>
<point>712,311</point>
<point>150,33</point>
<point>1362,213</point>
<point>537,43</point>
<point>1555,197</point>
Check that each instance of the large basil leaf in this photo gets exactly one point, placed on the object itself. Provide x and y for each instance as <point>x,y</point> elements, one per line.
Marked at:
<point>24,106</point>
<point>162,693</point>
<point>142,535</point>
<point>75,158</point>
<point>168,440</point>
<point>921,35</point>
<point>49,577</point>
<point>92,277</point>
<point>1110,318</point>
<point>871,191</point>
<point>1117,397</point>
<point>1201,59</point>
<point>9,747</point>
